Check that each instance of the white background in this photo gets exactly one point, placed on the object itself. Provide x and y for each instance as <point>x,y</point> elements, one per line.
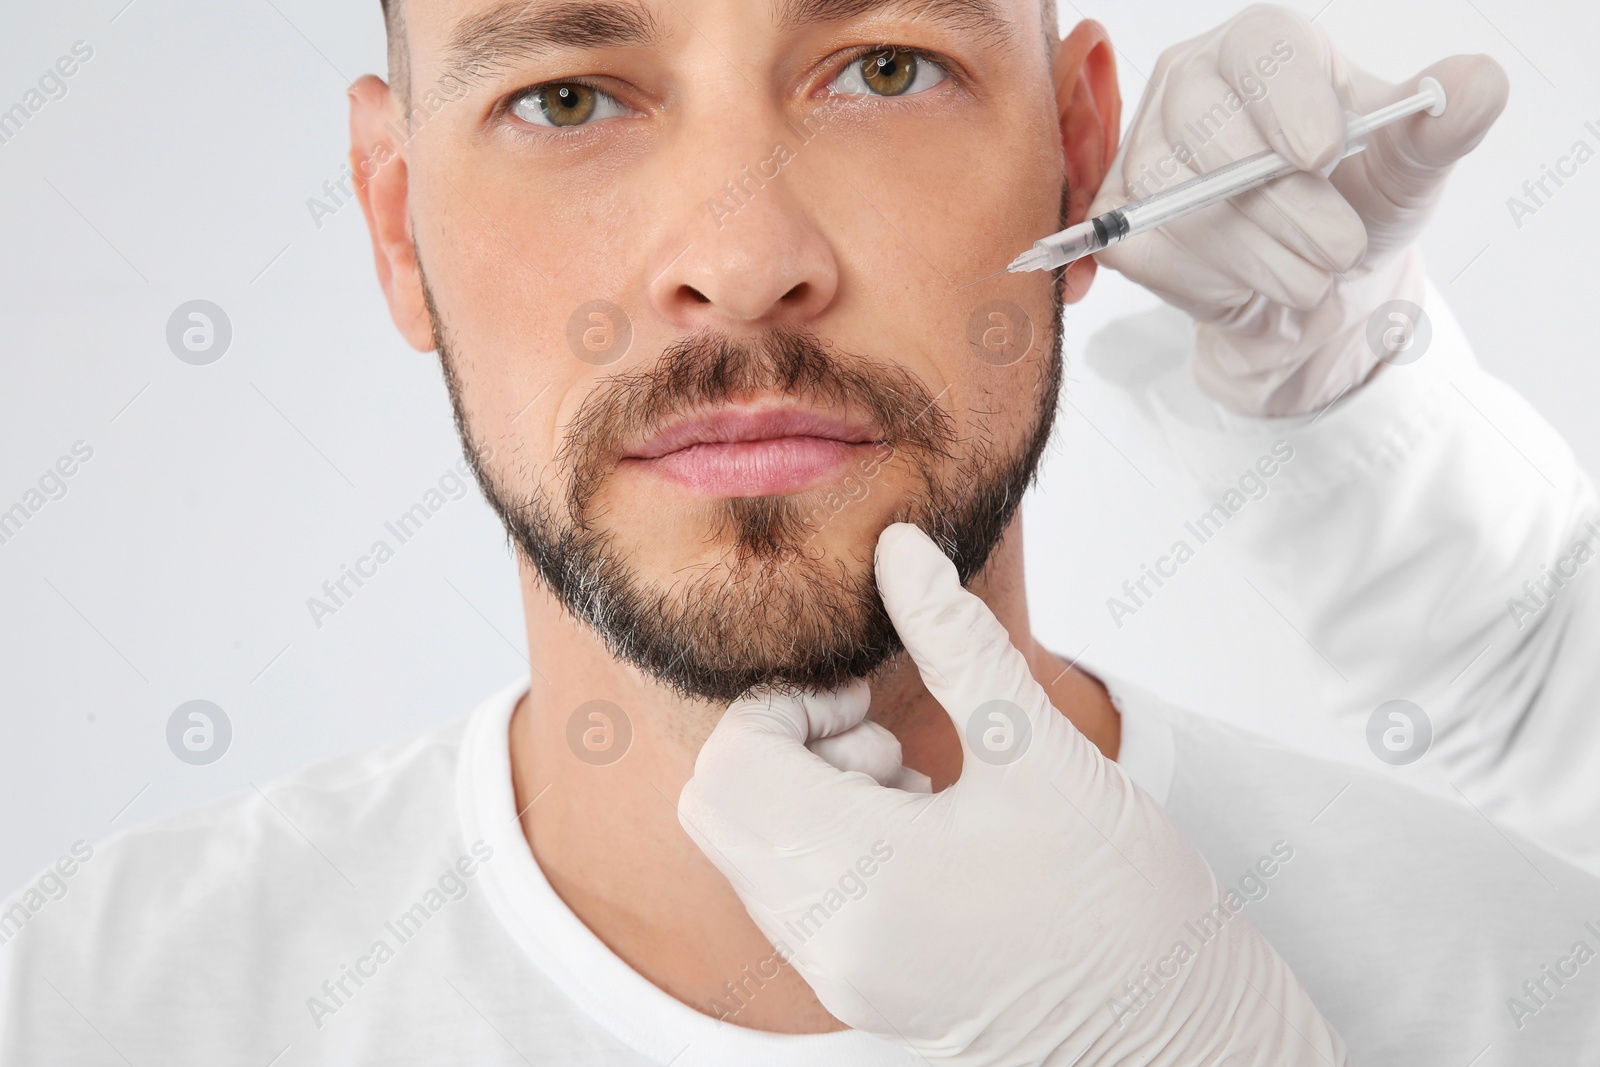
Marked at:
<point>219,498</point>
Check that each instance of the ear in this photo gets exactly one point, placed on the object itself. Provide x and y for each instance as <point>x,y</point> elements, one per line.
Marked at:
<point>378,161</point>
<point>1090,108</point>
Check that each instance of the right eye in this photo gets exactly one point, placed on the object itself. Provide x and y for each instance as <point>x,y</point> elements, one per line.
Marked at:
<point>889,72</point>
<point>562,105</point>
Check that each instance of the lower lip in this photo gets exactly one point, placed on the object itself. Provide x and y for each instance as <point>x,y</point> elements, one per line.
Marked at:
<point>754,468</point>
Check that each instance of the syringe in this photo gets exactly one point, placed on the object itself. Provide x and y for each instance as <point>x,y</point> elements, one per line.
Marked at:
<point>1129,220</point>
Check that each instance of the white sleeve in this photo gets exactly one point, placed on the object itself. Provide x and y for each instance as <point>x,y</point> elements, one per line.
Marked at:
<point>1431,537</point>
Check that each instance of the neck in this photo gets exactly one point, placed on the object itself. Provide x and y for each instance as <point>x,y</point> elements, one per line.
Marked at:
<point>606,834</point>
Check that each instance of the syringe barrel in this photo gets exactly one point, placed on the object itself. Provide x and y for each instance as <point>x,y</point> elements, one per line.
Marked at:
<point>1102,231</point>
<point>1246,174</point>
<point>1072,243</point>
<point>1197,192</point>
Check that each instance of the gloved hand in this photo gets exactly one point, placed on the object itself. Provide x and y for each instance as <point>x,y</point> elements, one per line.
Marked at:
<point>1040,910</point>
<point>1283,279</point>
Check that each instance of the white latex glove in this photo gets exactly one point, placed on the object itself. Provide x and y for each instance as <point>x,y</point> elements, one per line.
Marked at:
<point>1284,279</point>
<point>1011,918</point>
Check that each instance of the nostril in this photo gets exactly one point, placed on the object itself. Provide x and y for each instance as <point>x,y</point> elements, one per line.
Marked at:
<point>797,294</point>
<point>696,295</point>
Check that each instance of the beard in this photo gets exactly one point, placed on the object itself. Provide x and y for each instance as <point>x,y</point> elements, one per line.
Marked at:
<point>775,611</point>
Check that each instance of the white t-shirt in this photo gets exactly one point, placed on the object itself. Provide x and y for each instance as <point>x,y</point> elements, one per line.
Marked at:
<point>1429,537</point>
<point>385,908</point>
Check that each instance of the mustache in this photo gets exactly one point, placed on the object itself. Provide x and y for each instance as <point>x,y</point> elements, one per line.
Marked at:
<point>706,368</point>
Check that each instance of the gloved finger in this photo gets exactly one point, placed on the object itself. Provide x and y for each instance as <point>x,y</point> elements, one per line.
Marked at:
<point>1146,162</point>
<point>1287,257</point>
<point>865,747</point>
<point>1149,162</point>
<point>1177,277</point>
<point>1307,215</point>
<point>1228,241</point>
<point>965,657</point>
<point>910,781</point>
<point>1300,114</point>
<point>841,735</point>
<point>832,713</point>
<point>755,781</point>
<point>1146,166</point>
<point>1406,162</point>
<point>1302,211</point>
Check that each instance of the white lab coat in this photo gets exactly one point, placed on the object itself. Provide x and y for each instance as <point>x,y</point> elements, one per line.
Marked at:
<point>1432,540</point>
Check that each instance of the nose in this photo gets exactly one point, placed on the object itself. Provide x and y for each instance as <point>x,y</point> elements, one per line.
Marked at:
<point>751,258</point>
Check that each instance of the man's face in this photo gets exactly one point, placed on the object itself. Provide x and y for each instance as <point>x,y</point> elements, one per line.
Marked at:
<point>695,270</point>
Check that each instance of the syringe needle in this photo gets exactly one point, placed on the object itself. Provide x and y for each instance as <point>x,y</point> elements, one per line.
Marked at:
<point>985,278</point>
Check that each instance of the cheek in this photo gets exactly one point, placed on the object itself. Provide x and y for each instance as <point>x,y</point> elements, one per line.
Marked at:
<point>991,347</point>
<point>527,346</point>
<point>936,201</point>
<point>930,208</point>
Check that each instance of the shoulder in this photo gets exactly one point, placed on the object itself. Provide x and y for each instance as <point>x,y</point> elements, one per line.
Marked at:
<point>242,877</point>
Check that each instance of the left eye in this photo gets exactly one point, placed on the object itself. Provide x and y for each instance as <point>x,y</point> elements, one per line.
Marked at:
<point>565,104</point>
<point>888,72</point>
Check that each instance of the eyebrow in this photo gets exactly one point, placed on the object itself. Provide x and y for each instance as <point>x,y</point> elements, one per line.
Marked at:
<point>981,17</point>
<point>484,44</point>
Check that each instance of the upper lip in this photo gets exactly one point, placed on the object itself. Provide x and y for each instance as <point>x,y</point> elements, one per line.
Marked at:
<point>750,422</point>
